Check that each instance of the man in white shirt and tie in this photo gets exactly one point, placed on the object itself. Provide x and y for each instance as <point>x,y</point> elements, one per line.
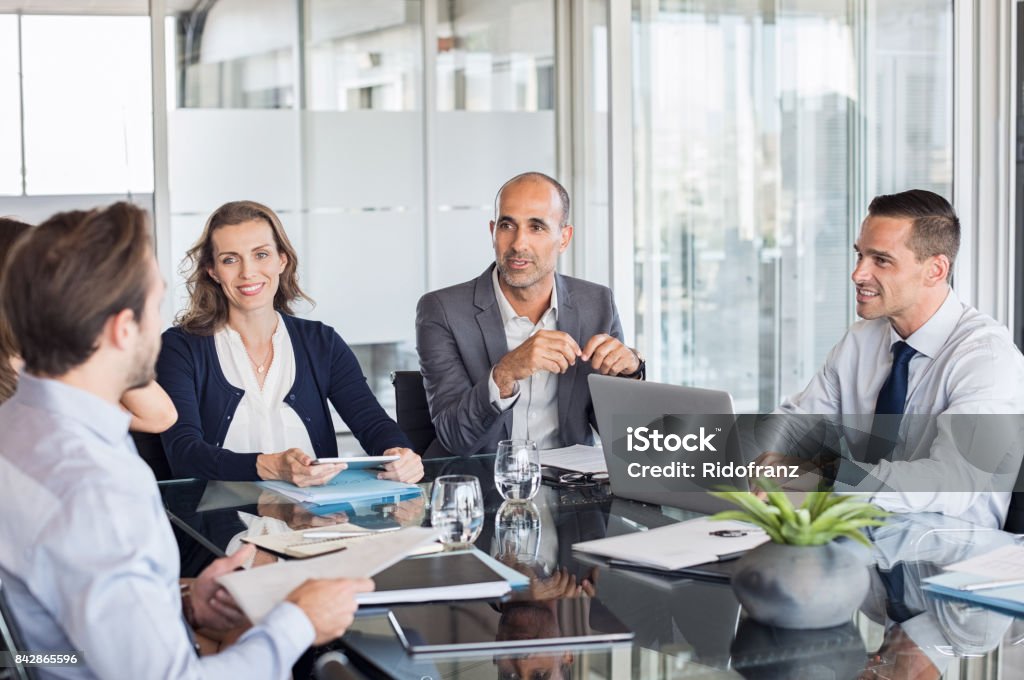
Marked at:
<point>916,373</point>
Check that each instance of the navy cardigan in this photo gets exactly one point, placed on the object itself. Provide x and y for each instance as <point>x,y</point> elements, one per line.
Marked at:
<point>325,368</point>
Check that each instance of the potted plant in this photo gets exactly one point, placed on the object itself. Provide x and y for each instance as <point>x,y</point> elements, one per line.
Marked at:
<point>804,577</point>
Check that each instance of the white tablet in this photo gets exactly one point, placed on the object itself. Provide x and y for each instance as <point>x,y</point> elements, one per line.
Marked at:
<point>358,462</point>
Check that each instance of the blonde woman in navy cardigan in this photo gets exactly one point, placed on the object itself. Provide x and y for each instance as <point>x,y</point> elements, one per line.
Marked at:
<point>251,381</point>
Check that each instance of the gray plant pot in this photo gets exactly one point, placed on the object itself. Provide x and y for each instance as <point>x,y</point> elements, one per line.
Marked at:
<point>805,587</point>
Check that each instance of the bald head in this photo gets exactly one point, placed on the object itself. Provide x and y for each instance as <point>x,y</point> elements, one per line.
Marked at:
<point>541,178</point>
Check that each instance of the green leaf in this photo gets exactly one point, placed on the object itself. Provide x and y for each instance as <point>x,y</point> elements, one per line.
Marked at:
<point>821,518</point>
<point>747,501</point>
<point>780,501</point>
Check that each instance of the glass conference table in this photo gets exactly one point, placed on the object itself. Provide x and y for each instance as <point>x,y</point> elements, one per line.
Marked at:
<point>684,627</point>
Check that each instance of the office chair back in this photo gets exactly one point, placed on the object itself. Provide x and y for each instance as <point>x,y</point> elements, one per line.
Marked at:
<point>151,450</point>
<point>10,638</point>
<point>414,414</point>
<point>1015,515</point>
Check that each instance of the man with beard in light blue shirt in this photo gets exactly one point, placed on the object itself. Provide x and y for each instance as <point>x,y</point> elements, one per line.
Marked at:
<point>89,564</point>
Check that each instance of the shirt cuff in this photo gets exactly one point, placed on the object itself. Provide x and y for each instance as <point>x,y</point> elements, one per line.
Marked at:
<point>289,627</point>
<point>494,394</point>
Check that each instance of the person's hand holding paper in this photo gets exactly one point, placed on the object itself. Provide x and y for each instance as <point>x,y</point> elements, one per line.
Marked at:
<point>257,591</point>
<point>212,606</point>
<point>330,604</point>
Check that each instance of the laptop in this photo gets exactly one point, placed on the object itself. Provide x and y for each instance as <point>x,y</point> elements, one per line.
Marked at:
<point>614,396</point>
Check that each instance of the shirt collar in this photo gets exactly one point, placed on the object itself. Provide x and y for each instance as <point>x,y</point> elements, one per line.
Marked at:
<point>929,338</point>
<point>505,307</point>
<point>235,337</point>
<point>106,420</point>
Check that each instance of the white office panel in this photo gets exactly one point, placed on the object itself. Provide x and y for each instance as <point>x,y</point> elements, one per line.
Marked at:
<point>358,160</point>
<point>334,19</point>
<point>36,209</point>
<point>461,246</point>
<point>185,231</point>
<point>216,156</point>
<point>476,152</point>
<point>235,29</point>
<point>365,271</point>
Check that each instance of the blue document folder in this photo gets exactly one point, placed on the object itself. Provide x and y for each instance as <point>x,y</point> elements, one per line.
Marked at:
<point>351,486</point>
<point>1008,599</point>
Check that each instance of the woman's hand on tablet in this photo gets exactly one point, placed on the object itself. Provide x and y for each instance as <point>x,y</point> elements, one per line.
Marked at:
<point>295,466</point>
<point>408,468</point>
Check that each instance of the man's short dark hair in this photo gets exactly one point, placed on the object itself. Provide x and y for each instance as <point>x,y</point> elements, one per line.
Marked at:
<point>563,195</point>
<point>936,229</point>
<point>68,276</point>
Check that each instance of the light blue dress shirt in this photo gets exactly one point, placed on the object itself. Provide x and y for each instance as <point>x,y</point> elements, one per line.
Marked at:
<point>88,562</point>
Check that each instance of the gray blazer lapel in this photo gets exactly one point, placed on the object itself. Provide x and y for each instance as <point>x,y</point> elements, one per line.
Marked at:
<point>568,322</point>
<point>489,318</point>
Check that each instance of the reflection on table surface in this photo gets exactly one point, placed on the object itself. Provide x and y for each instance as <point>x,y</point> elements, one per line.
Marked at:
<point>683,627</point>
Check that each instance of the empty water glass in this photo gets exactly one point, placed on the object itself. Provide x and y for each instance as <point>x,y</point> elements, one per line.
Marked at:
<point>457,509</point>
<point>517,469</point>
<point>517,532</point>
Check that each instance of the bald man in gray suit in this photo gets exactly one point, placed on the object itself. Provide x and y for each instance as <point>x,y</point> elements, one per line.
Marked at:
<point>507,354</point>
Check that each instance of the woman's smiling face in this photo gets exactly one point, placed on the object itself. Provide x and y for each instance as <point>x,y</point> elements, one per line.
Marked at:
<point>247,264</point>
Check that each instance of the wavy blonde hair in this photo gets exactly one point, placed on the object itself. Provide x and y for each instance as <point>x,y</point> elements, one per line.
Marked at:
<point>10,231</point>
<point>207,309</point>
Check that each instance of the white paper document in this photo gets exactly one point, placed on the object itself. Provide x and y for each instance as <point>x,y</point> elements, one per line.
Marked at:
<point>1001,564</point>
<point>576,458</point>
<point>306,543</point>
<point>259,590</point>
<point>678,546</point>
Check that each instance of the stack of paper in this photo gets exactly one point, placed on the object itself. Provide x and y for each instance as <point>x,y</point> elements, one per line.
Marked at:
<point>678,546</point>
<point>576,458</point>
<point>259,590</point>
<point>348,487</point>
<point>295,544</point>
<point>995,579</point>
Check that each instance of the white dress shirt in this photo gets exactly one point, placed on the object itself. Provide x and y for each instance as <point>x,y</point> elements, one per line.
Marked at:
<point>263,421</point>
<point>965,363</point>
<point>89,562</point>
<point>534,402</point>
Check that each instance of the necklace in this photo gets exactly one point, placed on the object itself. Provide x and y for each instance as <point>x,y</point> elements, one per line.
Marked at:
<point>262,365</point>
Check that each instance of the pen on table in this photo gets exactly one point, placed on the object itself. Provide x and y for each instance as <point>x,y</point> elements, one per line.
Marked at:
<point>985,585</point>
<point>346,534</point>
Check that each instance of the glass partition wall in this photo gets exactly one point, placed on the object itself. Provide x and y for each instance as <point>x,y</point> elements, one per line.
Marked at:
<point>74,132</point>
<point>381,148</point>
<point>380,130</point>
<point>762,130</point>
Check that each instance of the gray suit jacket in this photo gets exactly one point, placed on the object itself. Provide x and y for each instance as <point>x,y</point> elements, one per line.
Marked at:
<point>460,338</point>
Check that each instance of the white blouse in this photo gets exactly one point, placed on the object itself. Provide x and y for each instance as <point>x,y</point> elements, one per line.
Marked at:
<point>263,421</point>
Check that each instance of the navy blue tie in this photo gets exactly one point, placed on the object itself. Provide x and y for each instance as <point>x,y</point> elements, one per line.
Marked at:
<point>895,593</point>
<point>892,400</point>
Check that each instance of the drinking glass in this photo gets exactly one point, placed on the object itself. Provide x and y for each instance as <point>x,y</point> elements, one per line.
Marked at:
<point>517,532</point>
<point>457,509</point>
<point>517,469</point>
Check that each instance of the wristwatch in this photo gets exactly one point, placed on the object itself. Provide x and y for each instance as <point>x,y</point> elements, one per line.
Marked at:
<point>641,370</point>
